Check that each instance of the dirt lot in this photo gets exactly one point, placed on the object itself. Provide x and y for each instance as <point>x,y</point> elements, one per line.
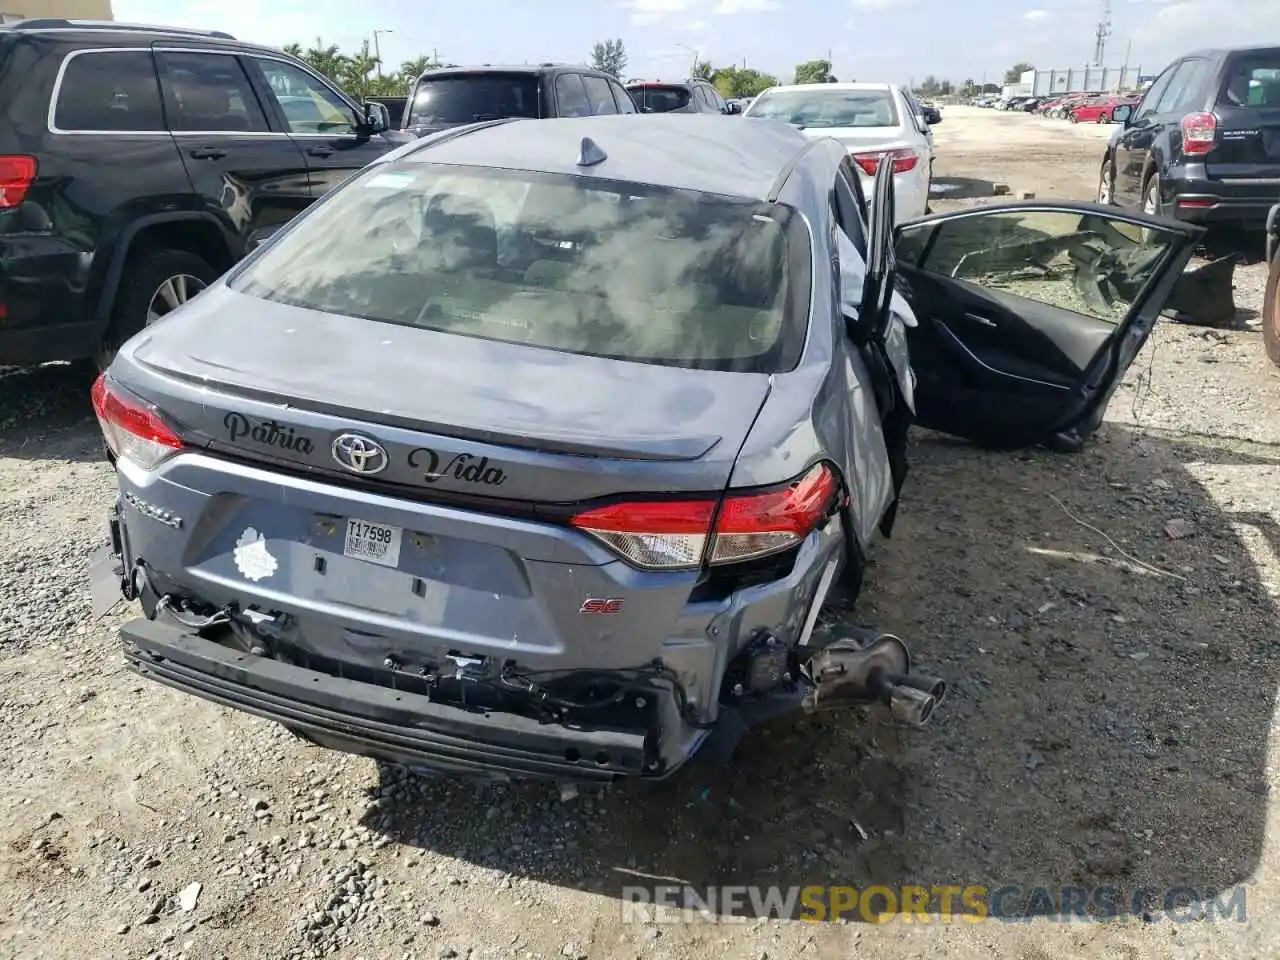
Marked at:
<point>1109,723</point>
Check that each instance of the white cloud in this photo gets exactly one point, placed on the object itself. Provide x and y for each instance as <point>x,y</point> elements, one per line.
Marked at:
<point>1036,15</point>
<point>646,12</point>
<point>731,7</point>
<point>884,4</point>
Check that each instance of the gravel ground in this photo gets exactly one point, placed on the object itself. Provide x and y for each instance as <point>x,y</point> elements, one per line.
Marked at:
<point>1110,723</point>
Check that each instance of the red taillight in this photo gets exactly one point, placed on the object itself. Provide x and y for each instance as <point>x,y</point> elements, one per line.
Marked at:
<point>673,534</point>
<point>1199,133</point>
<point>903,160</point>
<point>16,175</point>
<point>134,430</point>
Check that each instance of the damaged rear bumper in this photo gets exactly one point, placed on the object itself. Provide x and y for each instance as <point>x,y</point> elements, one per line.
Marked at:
<point>379,722</point>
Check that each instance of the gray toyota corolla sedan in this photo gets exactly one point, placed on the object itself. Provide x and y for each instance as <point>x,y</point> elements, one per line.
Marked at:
<point>535,448</point>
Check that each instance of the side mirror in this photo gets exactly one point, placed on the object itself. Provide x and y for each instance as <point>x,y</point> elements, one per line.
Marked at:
<point>377,117</point>
<point>733,108</point>
<point>1122,114</point>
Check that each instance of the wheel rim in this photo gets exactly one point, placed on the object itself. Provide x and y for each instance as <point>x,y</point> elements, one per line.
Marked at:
<point>172,294</point>
<point>1105,184</point>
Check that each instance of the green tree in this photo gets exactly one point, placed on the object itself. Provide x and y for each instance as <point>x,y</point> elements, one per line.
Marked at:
<point>930,87</point>
<point>1014,73</point>
<point>704,70</point>
<point>742,82</point>
<point>411,70</point>
<point>327,60</point>
<point>814,71</point>
<point>609,56</point>
<point>355,73</point>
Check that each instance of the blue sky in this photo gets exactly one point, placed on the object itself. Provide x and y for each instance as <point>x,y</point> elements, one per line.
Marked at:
<point>892,40</point>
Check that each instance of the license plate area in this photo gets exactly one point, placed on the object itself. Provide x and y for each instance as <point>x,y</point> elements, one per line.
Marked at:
<point>377,543</point>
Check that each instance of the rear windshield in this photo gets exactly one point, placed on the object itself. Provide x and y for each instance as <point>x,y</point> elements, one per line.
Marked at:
<point>660,99</point>
<point>1252,81</point>
<point>819,107</point>
<point>578,265</point>
<point>467,98</point>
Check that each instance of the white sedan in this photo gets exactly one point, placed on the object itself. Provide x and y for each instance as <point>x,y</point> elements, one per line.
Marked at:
<point>870,119</point>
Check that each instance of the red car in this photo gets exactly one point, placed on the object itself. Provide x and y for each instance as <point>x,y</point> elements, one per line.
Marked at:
<point>1100,109</point>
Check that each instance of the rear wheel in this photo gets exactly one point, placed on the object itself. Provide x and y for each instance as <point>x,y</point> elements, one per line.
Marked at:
<point>1271,313</point>
<point>1107,183</point>
<point>1151,202</point>
<point>153,286</point>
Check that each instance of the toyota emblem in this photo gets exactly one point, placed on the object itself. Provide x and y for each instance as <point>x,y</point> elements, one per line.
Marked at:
<point>359,454</point>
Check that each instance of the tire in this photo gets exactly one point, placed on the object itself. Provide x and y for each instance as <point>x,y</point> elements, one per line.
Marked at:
<point>141,284</point>
<point>1103,118</point>
<point>1151,195</point>
<point>1107,183</point>
<point>1271,312</point>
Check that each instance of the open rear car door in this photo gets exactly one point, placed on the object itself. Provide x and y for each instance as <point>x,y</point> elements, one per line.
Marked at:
<point>1028,314</point>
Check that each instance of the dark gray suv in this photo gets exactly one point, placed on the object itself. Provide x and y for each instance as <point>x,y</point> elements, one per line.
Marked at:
<point>694,95</point>
<point>453,96</point>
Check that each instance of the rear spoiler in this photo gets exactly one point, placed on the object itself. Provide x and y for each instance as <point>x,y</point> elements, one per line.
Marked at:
<point>1273,233</point>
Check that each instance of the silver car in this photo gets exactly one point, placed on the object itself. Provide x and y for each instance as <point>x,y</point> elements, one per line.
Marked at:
<point>536,447</point>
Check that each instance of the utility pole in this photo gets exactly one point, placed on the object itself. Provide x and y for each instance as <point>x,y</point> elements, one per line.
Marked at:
<point>1102,34</point>
<point>377,51</point>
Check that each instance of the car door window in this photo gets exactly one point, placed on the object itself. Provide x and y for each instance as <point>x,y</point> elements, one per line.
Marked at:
<point>599,95</point>
<point>1187,91</point>
<point>308,105</point>
<point>113,91</point>
<point>1152,99</point>
<point>622,98</point>
<point>1086,263</point>
<point>850,206</point>
<point>572,96</point>
<point>209,93</point>
<point>1181,88</point>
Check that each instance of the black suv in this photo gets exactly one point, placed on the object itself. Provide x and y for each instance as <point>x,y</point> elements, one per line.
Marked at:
<point>138,163</point>
<point>694,95</point>
<point>1203,144</point>
<point>448,97</point>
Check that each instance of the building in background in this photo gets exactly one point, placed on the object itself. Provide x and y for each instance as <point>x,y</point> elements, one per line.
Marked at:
<point>14,10</point>
<point>1044,83</point>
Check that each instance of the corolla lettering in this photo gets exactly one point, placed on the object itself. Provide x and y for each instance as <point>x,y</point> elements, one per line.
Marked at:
<point>266,432</point>
<point>463,466</point>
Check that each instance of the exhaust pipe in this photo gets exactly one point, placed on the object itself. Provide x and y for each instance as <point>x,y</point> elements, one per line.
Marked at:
<point>870,668</point>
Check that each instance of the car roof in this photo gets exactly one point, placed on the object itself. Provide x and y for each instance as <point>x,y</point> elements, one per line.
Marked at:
<point>115,30</point>
<point>1210,53</point>
<point>530,68</point>
<point>685,151</point>
<point>788,87</point>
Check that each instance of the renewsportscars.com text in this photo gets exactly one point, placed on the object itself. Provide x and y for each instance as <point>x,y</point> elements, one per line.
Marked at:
<point>942,903</point>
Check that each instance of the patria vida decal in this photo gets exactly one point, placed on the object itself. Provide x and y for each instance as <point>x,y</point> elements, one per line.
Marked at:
<point>266,432</point>
<point>463,466</point>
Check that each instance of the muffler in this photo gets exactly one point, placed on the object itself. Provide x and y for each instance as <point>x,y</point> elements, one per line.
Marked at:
<point>870,668</point>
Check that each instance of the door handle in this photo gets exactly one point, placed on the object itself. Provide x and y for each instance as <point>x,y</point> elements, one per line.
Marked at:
<point>321,151</point>
<point>979,318</point>
<point>208,153</point>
